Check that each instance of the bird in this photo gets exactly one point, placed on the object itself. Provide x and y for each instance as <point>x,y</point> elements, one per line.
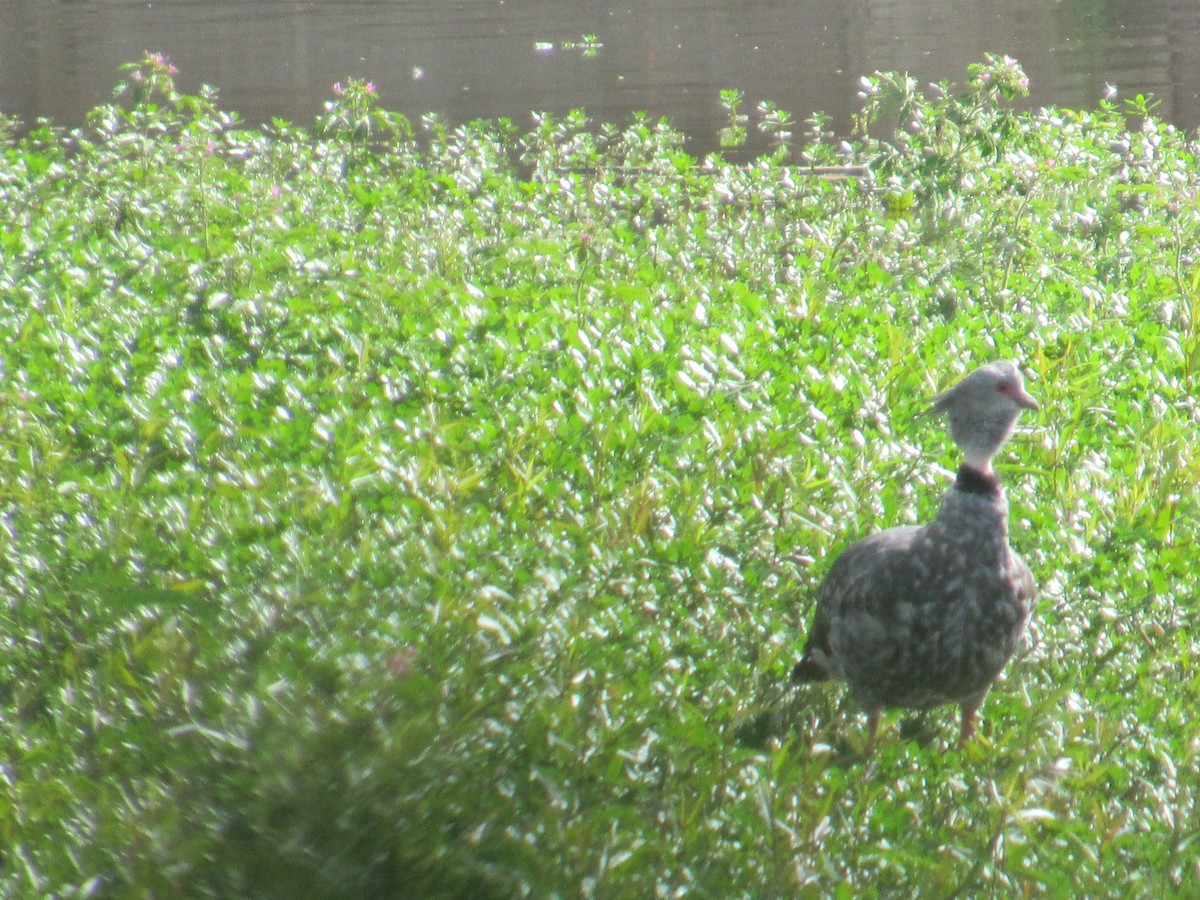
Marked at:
<point>917,617</point>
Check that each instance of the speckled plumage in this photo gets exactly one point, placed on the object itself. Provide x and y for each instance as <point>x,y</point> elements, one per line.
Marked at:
<point>919,617</point>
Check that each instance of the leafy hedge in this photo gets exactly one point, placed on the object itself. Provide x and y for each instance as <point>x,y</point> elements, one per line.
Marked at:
<point>436,512</point>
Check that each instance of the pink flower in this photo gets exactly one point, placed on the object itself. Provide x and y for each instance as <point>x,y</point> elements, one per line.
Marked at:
<point>210,148</point>
<point>276,192</point>
<point>160,63</point>
<point>369,87</point>
<point>337,89</point>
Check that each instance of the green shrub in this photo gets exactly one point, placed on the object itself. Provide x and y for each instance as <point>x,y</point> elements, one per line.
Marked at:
<point>435,512</point>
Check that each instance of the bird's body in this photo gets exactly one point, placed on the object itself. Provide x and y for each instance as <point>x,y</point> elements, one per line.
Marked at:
<point>919,617</point>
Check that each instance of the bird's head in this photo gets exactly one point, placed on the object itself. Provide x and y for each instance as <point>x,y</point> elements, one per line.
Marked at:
<point>983,409</point>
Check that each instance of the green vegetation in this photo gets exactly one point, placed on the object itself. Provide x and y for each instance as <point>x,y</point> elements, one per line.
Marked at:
<point>436,513</point>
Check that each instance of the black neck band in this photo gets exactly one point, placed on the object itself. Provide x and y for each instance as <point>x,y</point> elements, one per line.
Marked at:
<point>971,481</point>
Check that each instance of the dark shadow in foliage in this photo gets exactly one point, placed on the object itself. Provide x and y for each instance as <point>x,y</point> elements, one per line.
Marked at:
<point>384,803</point>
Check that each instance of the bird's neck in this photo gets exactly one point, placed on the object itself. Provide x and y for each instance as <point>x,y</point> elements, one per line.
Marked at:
<point>975,480</point>
<point>979,458</point>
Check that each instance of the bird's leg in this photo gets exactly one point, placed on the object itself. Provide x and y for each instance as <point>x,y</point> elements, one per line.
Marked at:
<point>968,724</point>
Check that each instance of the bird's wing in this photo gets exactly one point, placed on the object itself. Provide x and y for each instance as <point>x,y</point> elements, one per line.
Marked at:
<point>870,571</point>
<point>864,575</point>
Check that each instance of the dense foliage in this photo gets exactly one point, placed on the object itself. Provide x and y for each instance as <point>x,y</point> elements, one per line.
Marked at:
<point>436,512</point>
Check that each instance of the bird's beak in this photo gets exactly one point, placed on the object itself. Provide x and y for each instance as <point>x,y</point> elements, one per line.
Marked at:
<point>1018,396</point>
